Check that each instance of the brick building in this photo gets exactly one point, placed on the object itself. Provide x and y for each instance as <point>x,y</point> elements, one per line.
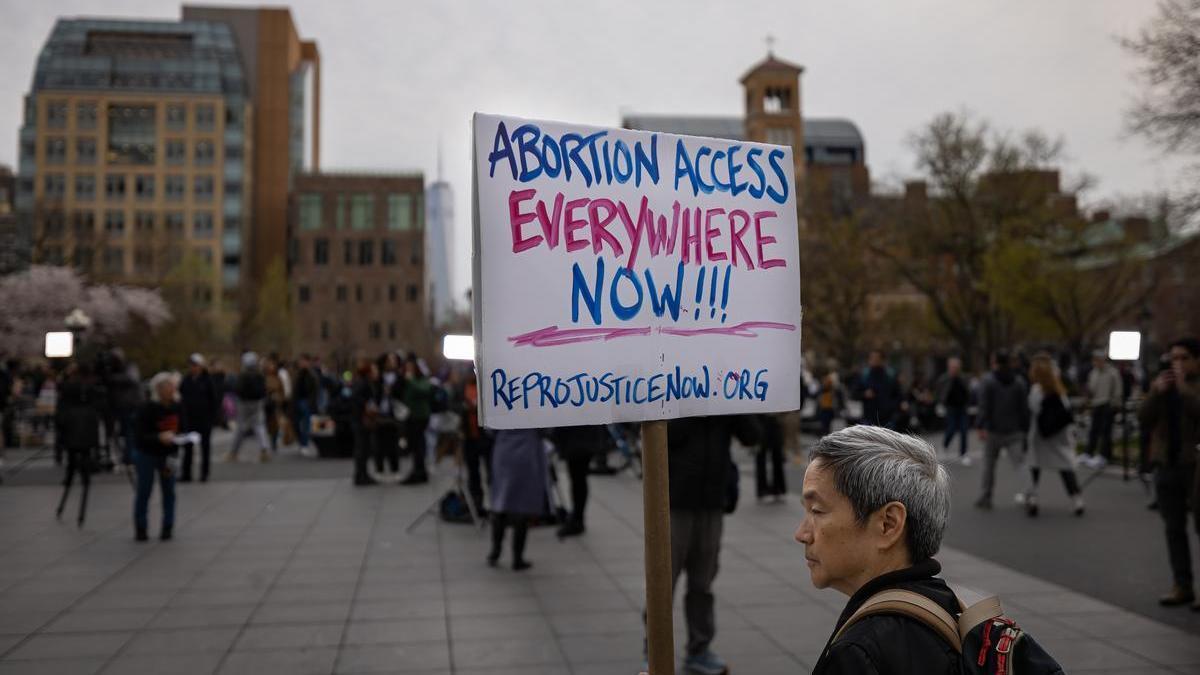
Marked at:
<point>358,264</point>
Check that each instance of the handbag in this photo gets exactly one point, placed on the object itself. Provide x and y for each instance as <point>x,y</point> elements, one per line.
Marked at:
<point>400,412</point>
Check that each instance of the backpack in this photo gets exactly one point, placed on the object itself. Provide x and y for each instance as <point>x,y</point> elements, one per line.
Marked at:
<point>1053,417</point>
<point>988,642</point>
<point>452,508</point>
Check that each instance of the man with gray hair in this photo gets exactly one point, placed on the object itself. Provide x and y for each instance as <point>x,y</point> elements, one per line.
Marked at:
<point>876,505</point>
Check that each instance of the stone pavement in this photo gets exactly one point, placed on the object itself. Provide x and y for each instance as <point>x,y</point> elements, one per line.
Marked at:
<point>314,576</point>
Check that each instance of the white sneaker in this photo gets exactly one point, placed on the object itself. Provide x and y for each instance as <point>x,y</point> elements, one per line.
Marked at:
<point>1020,498</point>
<point>965,460</point>
<point>308,452</point>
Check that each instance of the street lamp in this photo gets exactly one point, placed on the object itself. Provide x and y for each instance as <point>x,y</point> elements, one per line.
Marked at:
<point>60,344</point>
<point>1124,345</point>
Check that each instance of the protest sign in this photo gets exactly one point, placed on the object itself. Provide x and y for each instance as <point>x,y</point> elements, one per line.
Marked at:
<point>627,276</point>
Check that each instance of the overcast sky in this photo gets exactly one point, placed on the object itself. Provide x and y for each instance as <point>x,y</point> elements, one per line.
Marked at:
<point>398,76</point>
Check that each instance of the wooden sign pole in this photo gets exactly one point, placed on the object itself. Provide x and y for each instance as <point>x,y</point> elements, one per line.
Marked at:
<point>656,507</point>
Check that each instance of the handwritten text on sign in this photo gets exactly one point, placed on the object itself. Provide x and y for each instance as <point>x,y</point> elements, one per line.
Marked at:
<point>625,276</point>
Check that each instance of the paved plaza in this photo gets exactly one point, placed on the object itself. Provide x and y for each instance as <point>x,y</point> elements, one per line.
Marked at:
<point>306,574</point>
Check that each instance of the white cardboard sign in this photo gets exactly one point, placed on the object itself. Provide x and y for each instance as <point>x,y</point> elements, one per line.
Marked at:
<point>623,276</point>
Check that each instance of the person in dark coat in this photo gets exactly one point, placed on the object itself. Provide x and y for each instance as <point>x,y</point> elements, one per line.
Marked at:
<point>879,390</point>
<point>578,445</point>
<point>200,401</point>
<point>159,421</point>
<point>388,389</point>
<point>699,466</point>
<point>304,402</point>
<point>876,506</point>
<point>771,449</point>
<point>78,418</point>
<point>364,413</point>
<point>519,475</point>
<point>477,443</point>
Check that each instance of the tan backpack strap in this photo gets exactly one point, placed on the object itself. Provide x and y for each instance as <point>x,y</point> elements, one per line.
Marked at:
<point>912,605</point>
<point>988,608</point>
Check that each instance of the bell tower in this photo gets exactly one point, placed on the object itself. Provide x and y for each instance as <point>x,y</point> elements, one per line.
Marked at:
<point>772,90</point>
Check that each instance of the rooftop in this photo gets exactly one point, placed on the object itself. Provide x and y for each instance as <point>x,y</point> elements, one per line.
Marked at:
<point>830,131</point>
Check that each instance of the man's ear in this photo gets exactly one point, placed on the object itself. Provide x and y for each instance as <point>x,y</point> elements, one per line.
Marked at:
<point>890,520</point>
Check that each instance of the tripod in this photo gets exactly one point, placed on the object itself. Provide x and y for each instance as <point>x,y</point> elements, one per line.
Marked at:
<point>435,506</point>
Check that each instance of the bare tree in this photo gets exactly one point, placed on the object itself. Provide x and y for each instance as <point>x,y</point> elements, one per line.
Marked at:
<point>1167,111</point>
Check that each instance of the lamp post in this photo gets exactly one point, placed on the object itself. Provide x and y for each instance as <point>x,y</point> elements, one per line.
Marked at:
<point>1125,345</point>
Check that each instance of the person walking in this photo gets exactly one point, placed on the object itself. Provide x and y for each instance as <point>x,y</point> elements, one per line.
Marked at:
<point>1171,413</point>
<point>770,449</point>
<point>577,446</point>
<point>304,403</point>
<point>275,404</point>
<point>519,475</point>
<point>200,400</point>
<point>1003,421</point>
<point>251,391</point>
<point>364,413</point>
<point>1104,395</point>
<point>953,392</point>
<point>159,421</point>
<point>1051,441</point>
<point>698,466</point>
<point>418,397</point>
<point>879,391</point>
<point>78,419</point>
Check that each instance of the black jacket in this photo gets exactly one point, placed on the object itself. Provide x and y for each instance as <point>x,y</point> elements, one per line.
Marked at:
<point>200,401</point>
<point>153,419</point>
<point>699,460</point>
<point>888,644</point>
<point>582,442</point>
<point>78,415</point>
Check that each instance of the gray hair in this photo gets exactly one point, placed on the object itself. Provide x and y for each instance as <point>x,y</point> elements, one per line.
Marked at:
<point>157,381</point>
<point>873,466</point>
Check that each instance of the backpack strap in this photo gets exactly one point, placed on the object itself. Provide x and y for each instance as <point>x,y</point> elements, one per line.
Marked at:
<point>984,610</point>
<point>913,605</point>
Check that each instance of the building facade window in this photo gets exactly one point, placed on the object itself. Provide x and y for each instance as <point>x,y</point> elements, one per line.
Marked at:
<point>205,153</point>
<point>206,117</point>
<point>400,212</point>
<point>85,150</point>
<point>84,223</point>
<point>143,260</point>
<point>366,252</point>
<point>310,211</point>
<point>54,186</point>
<point>85,116</point>
<point>85,187</point>
<point>53,255</point>
<point>347,253</point>
<point>56,115</point>
<point>415,258</point>
<point>373,330</point>
<point>302,295</point>
<point>114,187</point>
<point>173,222</point>
<point>414,293</point>
<point>391,330</point>
<point>176,117</point>
<point>82,257</point>
<point>341,293</point>
<point>387,252</point>
<point>339,214</point>
<point>202,225</point>
<point>324,330</point>
<point>392,292</point>
<point>114,259</point>
<point>54,224</point>
<point>176,152</point>
<point>174,188</point>
<point>56,150</point>
<point>132,134</point>
<point>321,251</point>
<point>358,294</point>
<point>202,188</point>
<point>143,187</point>
<point>362,212</point>
<point>114,223</point>
<point>143,221</point>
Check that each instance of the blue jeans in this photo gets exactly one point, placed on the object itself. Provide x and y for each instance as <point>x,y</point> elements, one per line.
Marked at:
<point>956,423</point>
<point>303,421</point>
<point>149,466</point>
